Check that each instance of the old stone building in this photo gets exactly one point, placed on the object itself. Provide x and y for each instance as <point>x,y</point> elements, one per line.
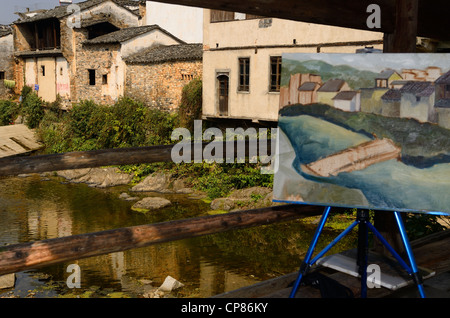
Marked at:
<point>82,56</point>
<point>156,76</point>
<point>48,44</point>
<point>6,59</point>
<point>100,73</point>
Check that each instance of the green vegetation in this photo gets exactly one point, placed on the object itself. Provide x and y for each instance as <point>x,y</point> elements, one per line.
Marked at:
<point>128,123</point>
<point>191,104</point>
<point>8,112</point>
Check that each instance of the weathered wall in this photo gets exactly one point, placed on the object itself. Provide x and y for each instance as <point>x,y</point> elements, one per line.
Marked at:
<point>160,85</point>
<point>143,41</point>
<point>105,60</point>
<point>184,22</point>
<point>6,62</point>
<point>226,42</point>
<point>278,32</point>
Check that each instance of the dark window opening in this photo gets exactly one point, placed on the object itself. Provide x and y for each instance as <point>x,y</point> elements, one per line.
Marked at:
<point>105,79</point>
<point>275,73</point>
<point>244,74</point>
<point>91,77</point>
<point>2,75</point>
<point>46,35</point>
<point>100,29</point>
<point>43,70</point>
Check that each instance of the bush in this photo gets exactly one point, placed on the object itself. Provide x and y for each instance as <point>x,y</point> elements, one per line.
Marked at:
<point>125,125</point>
<point>8,112</point>
<point>32,110</point>
<point>26,90</point>
<point>190,107</point>
<point>87,119</point>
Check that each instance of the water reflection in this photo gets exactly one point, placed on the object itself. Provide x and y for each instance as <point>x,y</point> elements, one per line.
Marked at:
<point>37,208</point>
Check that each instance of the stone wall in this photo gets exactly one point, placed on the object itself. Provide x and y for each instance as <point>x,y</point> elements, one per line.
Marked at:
<point>104,60</point>
<point>6,63</point>
<point>160,85</point>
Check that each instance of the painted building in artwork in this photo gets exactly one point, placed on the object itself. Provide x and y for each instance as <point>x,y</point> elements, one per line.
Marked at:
<point>442,99</point>
<point>328,91</point>
<point>349,101</point>
<point>242,60</point>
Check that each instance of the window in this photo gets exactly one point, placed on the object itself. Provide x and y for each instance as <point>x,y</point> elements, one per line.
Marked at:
<point>43,70</point>
<point>275,73</point>
<point>244,74</point>
<point>91,77</point>
<point>222,16</point>
<point>2,75</point>
<point>105,79</point>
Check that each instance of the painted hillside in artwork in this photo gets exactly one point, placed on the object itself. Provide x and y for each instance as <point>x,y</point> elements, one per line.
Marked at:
<point>365,131</point>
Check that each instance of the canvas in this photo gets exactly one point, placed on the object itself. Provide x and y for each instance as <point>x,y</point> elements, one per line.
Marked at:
<point>365,131</point>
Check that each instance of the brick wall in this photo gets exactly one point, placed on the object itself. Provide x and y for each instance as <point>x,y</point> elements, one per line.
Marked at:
<point>160,85</point>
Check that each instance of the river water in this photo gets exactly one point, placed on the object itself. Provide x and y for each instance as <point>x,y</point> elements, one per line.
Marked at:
<point>34,208</point>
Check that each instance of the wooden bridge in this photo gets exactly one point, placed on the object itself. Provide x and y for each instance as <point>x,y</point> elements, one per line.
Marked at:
<point>17,140</point>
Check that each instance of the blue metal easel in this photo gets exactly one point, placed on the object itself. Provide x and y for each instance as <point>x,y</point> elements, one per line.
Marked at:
<point>362,220</point>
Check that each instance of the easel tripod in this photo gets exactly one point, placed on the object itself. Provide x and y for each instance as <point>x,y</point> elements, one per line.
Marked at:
<point>362,220</point>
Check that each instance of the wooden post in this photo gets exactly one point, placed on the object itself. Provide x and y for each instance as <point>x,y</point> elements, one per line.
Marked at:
<point>402,40</point>
<point>19,257</point>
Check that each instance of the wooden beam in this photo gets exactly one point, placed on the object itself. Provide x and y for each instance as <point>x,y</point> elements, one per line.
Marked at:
<point>11,166</point>
<point>403,39</point>
<point>433,19</point>
<point>19,257</point>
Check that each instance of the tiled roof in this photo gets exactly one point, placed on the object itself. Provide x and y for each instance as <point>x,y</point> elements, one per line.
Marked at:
<point>414,87</point>
<point>443,103</point>
<point>385,74</point>
<point>61,11</point>
<point>169,53</point>
<point>392,95</point>
<point>444,79</point>
<point>308,86</point>
<point>417,88</point>
<point>5,30</point>
<point>345,95</point>
<point>127,34</point>
<point>332,85</point>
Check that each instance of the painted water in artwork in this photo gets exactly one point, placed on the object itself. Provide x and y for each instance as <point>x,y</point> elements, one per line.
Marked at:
<point>365,131</point>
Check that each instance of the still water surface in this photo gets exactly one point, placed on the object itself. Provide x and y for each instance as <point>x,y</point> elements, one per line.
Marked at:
<point>36,208</point>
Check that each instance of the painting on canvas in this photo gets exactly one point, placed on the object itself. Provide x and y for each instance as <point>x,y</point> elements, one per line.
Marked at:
<point>365,131</point>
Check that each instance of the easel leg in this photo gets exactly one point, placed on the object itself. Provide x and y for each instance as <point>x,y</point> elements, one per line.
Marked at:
<point>415,272</point>
<point>363,249</point>
<point>306,262</point>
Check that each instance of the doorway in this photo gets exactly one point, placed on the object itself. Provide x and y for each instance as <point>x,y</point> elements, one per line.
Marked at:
<point>223,89</point>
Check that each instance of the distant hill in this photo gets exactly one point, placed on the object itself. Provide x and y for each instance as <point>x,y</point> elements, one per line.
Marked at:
<point>355,78</point>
